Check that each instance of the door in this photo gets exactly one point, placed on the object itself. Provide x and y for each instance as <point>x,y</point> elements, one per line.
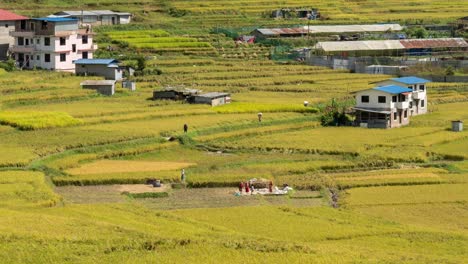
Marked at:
<point>27,61</point>
<point>113,20</point>
<point>21,59</point>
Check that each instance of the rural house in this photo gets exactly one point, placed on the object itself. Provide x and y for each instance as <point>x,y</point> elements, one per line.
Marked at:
<point>383,107</point>
<point>325,30</point>
<point>175,93</point>
<point>390,47</point>
<point>105,87</point>
<point>7,24</point>
<point>96,17</point>
<point>108,68</point>
<point>51,43</point>
<point>213,98</point>
<point>418,104</point>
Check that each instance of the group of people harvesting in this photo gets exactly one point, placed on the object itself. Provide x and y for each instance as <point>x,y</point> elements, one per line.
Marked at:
<point>250,188</point>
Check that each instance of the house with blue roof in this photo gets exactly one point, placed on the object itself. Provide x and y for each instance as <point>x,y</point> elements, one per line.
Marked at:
<point>51,43</point>
<point>418,95</point>
<point>386,106</point>
<point>108,68</point>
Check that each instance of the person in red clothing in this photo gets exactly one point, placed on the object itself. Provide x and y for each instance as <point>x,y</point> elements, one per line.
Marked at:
<point>241,187</point>
<point>247,189</point>
<point>270,186</point>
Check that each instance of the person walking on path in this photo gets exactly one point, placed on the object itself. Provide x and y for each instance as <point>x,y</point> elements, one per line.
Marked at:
<point>185,128</point>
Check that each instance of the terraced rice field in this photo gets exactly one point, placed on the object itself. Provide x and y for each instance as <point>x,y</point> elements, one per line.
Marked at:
<point>64,151</point>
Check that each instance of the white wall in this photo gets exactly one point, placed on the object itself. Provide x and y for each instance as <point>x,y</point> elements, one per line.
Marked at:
<point>55,49</point>
<point>373,99</point>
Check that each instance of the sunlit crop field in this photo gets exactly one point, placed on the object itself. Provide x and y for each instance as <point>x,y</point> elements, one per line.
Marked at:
<point>360,195</point>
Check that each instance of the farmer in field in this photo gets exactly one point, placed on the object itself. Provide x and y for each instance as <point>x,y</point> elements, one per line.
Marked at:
<point>182,175</point>
<point>185,128</point>
<point>260,115</point>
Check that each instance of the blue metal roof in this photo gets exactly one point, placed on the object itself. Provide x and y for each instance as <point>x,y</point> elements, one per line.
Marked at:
<point>56,19</point>
<point>393,89</point>
<point>410,80</point>
<point>95,61</point>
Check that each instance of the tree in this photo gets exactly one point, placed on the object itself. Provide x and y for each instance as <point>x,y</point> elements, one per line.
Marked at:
<point>334,114</point>
<point>449,71</point>
<point>420,32</point>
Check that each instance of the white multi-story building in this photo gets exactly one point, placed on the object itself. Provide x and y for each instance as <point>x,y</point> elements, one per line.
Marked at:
<point>51,43</point>
<point>7,24</point>
<point>392,103</point>
<point>418,94</point>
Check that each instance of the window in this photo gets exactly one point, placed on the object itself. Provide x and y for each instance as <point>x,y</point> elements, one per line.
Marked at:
<point>20,41</point>
<point>395,116</point>
<point>63,41</point>
<point>32,26</point>
<point>38,57</point>
<point>38,41</point>
<point>405,113</point>
<point>63,57</point>
<point>46,57</point>
<point>410,104</point>
<point>422,87</point>
<point>46,41</point>
<point>394,98</point>
<point>382,99</point>
<point>44,25</point>
<point>23,24</point>
<point>365,99</point>
<point>27,42</point>
<point>85,55</point>
<point>422,103</point>
<point>84,39</point>
<point>74,47</point>
<point>6,25</point>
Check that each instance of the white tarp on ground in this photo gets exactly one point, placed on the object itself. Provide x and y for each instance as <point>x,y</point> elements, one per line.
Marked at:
<point>359,45</point>
<point>353,28</point>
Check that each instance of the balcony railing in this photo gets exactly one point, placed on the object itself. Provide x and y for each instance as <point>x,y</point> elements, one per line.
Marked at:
<point>23,49</point>
<point>22,33</point>
<point>419,95</point>
<point>402,105</point>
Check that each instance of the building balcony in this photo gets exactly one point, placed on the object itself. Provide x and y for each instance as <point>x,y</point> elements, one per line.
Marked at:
<point>419,95</point>
<point>23,49</point>
<point>26,34</point>
<point>402,105</point>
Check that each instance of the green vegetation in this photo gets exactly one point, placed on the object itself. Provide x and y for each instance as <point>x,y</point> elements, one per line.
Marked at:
<point>37,120</point>
<point>65,152</point>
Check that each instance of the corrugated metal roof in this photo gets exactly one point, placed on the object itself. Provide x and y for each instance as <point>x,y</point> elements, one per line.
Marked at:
<point>391,44</point>
<point>359,45</point>
<point>372,110</point>
<point>353,28</point>
<point>56,19</point>
<point>9,16</point>
<point>433,43</point>
<point>76,13</point>
<point>393,89</point>
<point>410,80</point>
<point>213,95</point>
<point>98,82</point>
<point>89,13</point>
<point>95,61</point>
<point>281,31</point>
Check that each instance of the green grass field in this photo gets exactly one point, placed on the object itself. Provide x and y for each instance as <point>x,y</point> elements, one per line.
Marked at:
<point>361,195</point>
